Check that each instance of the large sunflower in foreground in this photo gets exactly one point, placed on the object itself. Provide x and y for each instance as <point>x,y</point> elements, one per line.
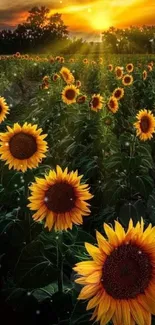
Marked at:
<point>118,93</point>
<point>96,103</point>
<point>145,126</point>
<point>113,104</point>
<point>127,80</point>
<point>4,109</point>
<point>119,281</point>
<point>59,198</point>
<point>22,147</point>
<point>69,94</point>
<point>67,75</point>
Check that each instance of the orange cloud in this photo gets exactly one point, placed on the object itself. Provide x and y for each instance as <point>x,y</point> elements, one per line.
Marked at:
<point>84,15</point>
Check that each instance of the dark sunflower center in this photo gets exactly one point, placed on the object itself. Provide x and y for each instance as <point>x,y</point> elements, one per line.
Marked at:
<point>60,198</point>
<point>145,124</point>
<point>127,80</point>
<point>70,94</point>
<point>119,72</point>
<point>126,272</point>
<point>117,93</point>
<point>129,67</point>
<point>95,101</point>
<point>112,103</point>
<point>22,146</point>
<point>1,108</point>
<point>144,74</point>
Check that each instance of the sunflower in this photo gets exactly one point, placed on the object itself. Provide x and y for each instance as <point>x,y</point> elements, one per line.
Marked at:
<point>69,94</point>
<point>127,80</point>
<point>85,61</point>
<point>17,55</point>
<point>38,58</point>
<point>4,109</point>
<point>22,147</point>
<point>58,58</point>
<point>46,79</point>
<point>51,59</point>
<point>78,83</point>
<point>144,75</point>
<point>113,104</point>
<point>119,72</point>
<point>118,93</point>
<point>44,86</point>
<point>60,199</point>
<point>62,60</point>
<point>26,56</point>
<point>96,103</point>
<point>149,67</point>
<point>100,60</point>
<point>110,67</point>
<point>129,67</point>
<point>71,60</point>
<point>67,75</point>
<point>81,99</point>
<point>56,77</point>
<point>119,281</point>
<point>145,126</point>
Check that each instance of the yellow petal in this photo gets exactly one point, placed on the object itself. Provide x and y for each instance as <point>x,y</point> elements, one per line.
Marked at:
<point>95,252</point>
<point>111,235</point>
<point>136,312</point>
<point>103,243</point>
<point>88,291</point>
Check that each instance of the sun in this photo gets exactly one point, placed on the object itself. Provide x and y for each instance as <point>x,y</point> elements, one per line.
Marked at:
<point>100,22</point>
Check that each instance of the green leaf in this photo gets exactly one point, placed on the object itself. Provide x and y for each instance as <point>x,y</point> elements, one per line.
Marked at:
<point>33,269</point>
<point>79,315</point>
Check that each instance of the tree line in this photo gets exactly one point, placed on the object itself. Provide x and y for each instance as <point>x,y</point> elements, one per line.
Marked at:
<point>44,33</point>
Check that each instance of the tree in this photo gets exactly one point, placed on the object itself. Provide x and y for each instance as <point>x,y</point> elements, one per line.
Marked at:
<point>38,16</point>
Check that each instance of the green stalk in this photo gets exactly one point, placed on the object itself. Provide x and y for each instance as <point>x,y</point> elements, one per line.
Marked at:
<point>60,263</point>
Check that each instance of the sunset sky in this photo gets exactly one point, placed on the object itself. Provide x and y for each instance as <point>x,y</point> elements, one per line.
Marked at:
<point>84,17</point>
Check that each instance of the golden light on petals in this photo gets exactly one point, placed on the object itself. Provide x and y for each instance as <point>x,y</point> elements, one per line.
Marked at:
<point>96,103</point>
<point>110,67</point>
<point>118,93</point>
<point>119,278</point>
<point>129,67</point>
<point>127,80</point>
<point>69,94</point>
<point>119,72</point>
<point>81,99</point>
<point>4,109</point>
<point>67,75</point>
<point>22,147</point>
<point>113,104</point>
<point>56,77</point>
<point>60,199</point>
<point>144,75</point>
<point>149,67</point>
<point>145,126</point>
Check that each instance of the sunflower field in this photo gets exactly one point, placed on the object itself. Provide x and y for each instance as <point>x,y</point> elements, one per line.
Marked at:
<point>77,190</point>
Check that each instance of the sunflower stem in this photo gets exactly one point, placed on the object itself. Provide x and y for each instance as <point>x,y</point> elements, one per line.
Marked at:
<point>60,263</point>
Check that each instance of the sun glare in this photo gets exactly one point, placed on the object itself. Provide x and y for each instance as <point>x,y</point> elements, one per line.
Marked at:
<point>100,22</point>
